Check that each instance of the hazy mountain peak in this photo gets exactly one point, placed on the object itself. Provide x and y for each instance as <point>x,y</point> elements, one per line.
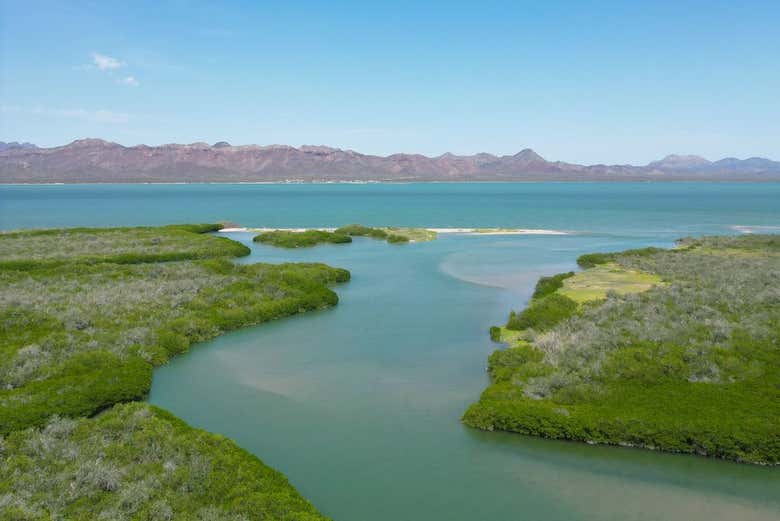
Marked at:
<point>321,149</point>
<point>91,142</point>
<point>15,145</point>
<point>96,160</point>
<point>680,161</point>
<point>528,155</point>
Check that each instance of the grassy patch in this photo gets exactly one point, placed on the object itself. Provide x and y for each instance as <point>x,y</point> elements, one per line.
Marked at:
<point>136,461</point>
<point>304,239</point>
<point>690,365</point>
<point>594,283</point>
<point>412,234</point>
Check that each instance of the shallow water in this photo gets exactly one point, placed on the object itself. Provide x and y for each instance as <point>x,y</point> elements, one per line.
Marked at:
<point>359,405</point>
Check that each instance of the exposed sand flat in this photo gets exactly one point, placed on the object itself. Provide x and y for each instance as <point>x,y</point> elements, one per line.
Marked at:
<point>499,231</point>
<point>465,231</point>
<point>755,229</point>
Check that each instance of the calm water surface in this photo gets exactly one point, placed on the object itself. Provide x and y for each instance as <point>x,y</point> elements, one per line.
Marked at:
<point>359,405</point>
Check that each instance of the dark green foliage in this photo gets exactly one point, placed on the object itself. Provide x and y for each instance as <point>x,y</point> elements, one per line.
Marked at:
<point>542,314</point>
<point>85,384</point>
<point>747,242</point>
<point>549,285</point>
<point>197,228</point>
<point>358,230</point>
<point>692,365</point>
<point>76,338</point>
<point>81,328</point>
<point>504,364</point>
<point>305,239</point>
<point>592,259</point>
<point>395,238</point>
<point>136,461</point>
<point>495,333</point>
<point>56,247</point>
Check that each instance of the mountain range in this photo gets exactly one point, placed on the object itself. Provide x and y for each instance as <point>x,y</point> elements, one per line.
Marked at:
<point>98,161</point>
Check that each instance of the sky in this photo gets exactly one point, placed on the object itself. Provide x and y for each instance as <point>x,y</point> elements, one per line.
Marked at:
<point>580,81</point>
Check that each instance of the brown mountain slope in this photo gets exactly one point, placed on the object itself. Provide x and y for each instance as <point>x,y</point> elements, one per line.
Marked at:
<point>95,160</point>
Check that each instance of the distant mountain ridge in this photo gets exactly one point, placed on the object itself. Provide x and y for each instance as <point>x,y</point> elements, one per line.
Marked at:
<point>99,161</point>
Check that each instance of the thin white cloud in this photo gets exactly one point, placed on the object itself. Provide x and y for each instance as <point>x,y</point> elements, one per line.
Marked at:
<point>92,116</point>
<point>106,63</point>
<point>130,81</point>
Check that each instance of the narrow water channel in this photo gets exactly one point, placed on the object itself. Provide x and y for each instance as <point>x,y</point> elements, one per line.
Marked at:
<point>359,405</point>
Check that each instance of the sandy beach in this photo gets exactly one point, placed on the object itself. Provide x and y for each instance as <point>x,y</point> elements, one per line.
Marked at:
<point>464,231</point>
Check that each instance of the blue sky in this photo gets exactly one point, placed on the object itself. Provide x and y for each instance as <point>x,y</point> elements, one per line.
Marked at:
<point>614,82</point>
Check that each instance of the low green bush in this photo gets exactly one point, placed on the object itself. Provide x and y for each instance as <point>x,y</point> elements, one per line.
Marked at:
<point>542,314</point>
<point>495,333</point>
<point>81,327</point>
<point>135,461</point>
<point>395,238</point>
<point>34,249</point>
<point>78,337</point>
<point>691,365</point>
<point>592,259</point>
<point>548,285</point>
<point>358,230</point>
<point>305,239</point>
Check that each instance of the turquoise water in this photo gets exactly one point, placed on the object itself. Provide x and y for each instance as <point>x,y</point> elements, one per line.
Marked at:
<point>638,209</point>
<point>359,405</point>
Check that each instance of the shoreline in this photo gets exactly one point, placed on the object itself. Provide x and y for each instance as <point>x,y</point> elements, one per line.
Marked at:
<point>404,182</point>
<point>462,231</point>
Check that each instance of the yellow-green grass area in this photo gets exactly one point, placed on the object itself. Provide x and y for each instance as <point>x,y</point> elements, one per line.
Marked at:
<point>413,234</point>
<point>675,350</point>
<point>594,283</point>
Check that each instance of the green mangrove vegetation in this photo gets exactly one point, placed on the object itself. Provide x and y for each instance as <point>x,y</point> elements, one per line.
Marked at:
<point>675,350</point>
<point>303,239</point>
<point>85,314</point>
<point>393,235</point>
<point>135,461</point>
<point>39,248</point>
<point>309,238</point>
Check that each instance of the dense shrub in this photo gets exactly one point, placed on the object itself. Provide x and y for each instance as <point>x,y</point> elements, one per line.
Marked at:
<point>395,238</point>
<point>391,235</point>
<point>57,247</point>
<point>592,259</point>
<point>542,314</point>
<point>76,338</point>
<point>495,333</point>
<point>358,230</point>
<point>305,239</point>
<point>136,461</point>
<point>548,285</point>
<point>691,365</point>
<point>81,328</point>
